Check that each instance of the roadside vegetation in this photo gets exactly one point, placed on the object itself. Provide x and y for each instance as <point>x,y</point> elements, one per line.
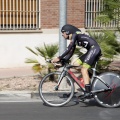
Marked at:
<point>109,46</point>
<point>107,36</point>
<point>41,54</point>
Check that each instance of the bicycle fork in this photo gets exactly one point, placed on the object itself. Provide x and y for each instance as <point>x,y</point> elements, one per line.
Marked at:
<point>60,79</point>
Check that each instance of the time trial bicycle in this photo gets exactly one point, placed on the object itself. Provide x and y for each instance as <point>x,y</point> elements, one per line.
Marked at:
<point>105,87</point>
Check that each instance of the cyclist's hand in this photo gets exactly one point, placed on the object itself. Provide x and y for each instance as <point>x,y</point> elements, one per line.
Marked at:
<point>55,60</point>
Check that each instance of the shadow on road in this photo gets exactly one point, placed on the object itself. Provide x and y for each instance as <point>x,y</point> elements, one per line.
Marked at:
<point>74,102</point>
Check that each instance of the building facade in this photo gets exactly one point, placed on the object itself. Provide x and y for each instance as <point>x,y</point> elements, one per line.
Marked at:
<point>35,22</point>
<point>35,15</point>
<point>50,13</point>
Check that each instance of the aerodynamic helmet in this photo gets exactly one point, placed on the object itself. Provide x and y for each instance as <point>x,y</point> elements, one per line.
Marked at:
<point>69,29</point>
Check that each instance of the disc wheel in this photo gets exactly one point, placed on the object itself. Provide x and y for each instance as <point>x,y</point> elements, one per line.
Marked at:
<point>108,98</point>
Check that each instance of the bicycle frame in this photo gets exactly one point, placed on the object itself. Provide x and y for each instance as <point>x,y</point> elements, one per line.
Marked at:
<point>67,70</point>
<point>79,83</point>
<point>95,76</point>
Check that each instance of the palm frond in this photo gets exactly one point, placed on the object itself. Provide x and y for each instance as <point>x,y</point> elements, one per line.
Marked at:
<point>32,51</point>
<point>47,51</point>
<point>37,68</point>
<point>41,51</point>
<point>51,50</point>
<point>31,60</point>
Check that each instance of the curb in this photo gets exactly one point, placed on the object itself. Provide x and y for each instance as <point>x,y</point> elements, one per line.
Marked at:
<point>18,94</point>
<point>35,95</point>
<point>22,94</point>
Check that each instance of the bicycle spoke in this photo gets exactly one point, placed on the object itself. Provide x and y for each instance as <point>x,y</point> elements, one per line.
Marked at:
<point>52,96</point>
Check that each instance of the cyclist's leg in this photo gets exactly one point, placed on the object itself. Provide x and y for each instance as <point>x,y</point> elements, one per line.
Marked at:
<point>84,69</point>
<point>88,61</point>
<point>75,61</point>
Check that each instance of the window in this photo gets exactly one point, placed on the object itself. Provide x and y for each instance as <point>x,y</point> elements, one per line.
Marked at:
<point>19,14</point>
<point>92,10</point>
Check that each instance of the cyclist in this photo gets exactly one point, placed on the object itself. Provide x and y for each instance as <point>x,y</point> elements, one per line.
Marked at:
<point>72,33</point>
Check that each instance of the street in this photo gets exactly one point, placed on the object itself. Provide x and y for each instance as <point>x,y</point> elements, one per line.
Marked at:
<point>36,110</point>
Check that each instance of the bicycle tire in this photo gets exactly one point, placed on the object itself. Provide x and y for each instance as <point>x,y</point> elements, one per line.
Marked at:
<point>109,98</point>
<point>53,97</point>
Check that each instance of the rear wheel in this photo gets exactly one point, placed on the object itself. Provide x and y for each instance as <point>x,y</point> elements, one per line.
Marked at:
<point>53,95</point>
<point>108,98</point>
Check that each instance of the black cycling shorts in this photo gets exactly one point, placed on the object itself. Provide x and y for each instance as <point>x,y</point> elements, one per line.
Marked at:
<point>91,56</point>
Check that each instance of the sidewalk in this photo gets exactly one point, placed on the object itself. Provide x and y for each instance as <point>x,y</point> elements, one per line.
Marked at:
<point>17,72</point>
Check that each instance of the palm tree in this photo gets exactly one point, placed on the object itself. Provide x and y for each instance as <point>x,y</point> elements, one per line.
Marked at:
<point>41,54</point>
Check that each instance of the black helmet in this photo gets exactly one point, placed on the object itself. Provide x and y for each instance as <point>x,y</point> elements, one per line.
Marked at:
<point>69,29</point>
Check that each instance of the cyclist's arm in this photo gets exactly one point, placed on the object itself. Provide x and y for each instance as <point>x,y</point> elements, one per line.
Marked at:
<point>71,46</point>
<point>69,55</point>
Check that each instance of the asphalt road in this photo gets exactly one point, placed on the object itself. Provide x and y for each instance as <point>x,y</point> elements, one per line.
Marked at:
<point>38,111</point>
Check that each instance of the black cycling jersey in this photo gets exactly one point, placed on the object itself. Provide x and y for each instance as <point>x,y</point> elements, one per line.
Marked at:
<point>85,41</point>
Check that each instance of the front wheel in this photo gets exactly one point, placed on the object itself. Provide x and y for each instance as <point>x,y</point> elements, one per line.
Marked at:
<point>53,95</point>
<point>108,98</point>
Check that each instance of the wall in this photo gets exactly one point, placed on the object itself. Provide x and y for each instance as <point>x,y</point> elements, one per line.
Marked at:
<point>50,13</point>
<point>12,46</point>
<point>76,12</point>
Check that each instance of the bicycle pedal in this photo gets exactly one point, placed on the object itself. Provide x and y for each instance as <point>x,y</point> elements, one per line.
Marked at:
<point>86,96</point>
<point>85,100</point>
